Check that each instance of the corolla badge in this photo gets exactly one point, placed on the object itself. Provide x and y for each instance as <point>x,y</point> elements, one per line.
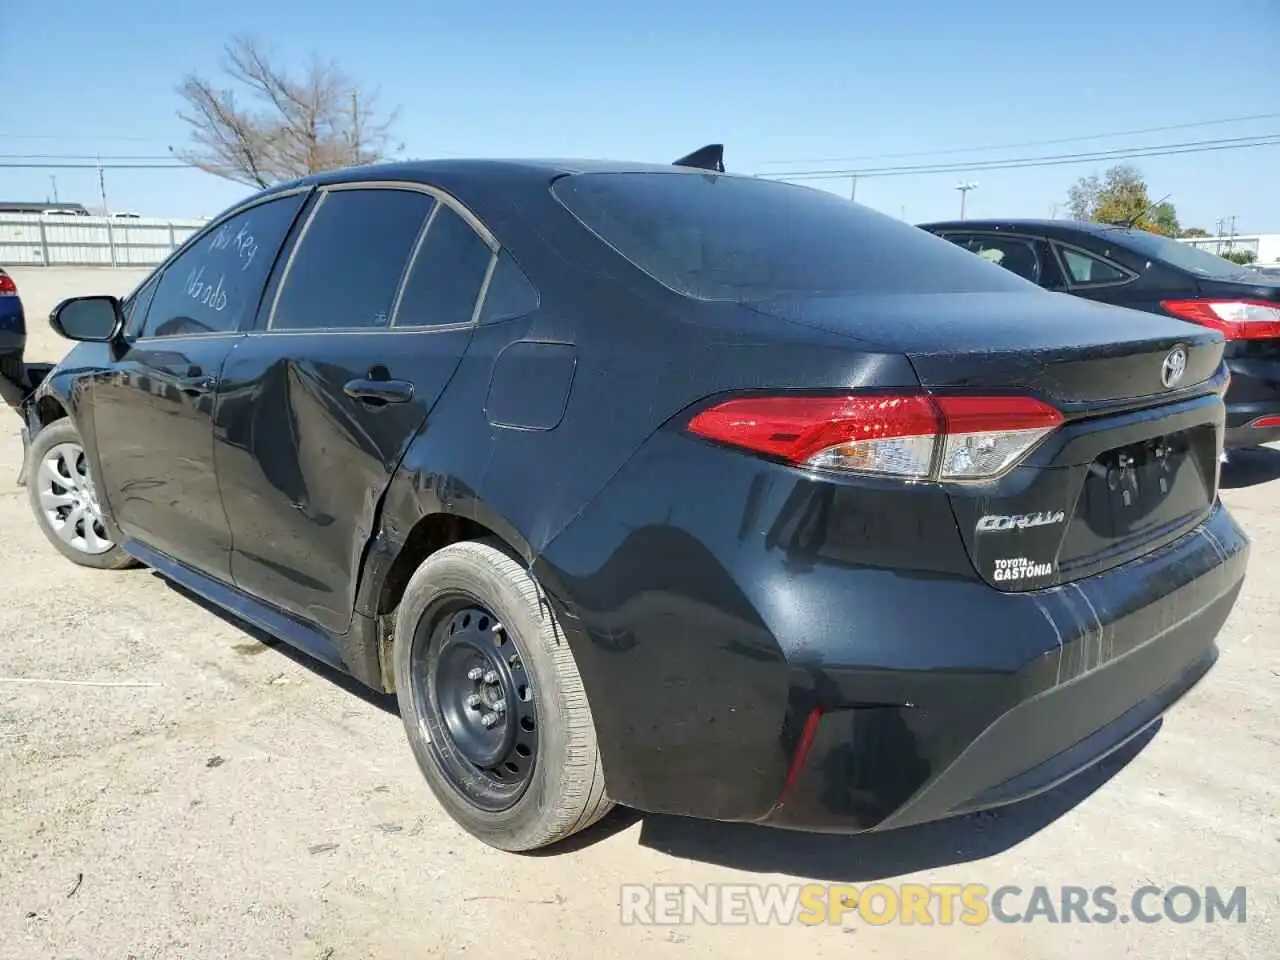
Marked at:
<point>1019,521</point>
<point>1174,366</point>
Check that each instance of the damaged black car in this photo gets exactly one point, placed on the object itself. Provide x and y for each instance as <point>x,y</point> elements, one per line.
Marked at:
<point>659,486</point>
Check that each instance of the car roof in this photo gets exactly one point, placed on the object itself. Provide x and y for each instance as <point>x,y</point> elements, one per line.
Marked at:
<point>1048,227</point>
<point>489,170</point>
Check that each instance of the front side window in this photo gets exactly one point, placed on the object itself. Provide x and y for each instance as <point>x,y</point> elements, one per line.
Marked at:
<point>213,286</point>
<point>350,258</point>
<point>1084,269</point>
<point>135,306</point>
<point>718,237</point>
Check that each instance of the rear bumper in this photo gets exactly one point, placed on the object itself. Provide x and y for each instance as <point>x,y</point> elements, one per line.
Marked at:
<point>1254,393</point>
<point>1121,664</point>
<point>1247,434</point>
<point>781,611</point>
<point>12,321</point>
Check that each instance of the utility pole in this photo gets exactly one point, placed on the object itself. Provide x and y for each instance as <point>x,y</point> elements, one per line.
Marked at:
<point>53,179</point>
<point>106,212</point>
<point>853,188</point>
<point>102,188</point>
<point>964,189</point>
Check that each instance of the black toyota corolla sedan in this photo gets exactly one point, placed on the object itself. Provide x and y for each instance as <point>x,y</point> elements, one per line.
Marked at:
<point>1134,268</point>
<point>659,486</point>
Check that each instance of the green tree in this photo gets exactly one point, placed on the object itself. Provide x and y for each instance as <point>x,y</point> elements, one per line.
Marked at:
<point>1164,219</point>
<point>1242,257</point>
<point>1195,232</point>
<point>1120,196</point>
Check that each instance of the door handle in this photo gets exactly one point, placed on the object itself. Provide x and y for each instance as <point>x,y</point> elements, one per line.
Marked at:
<point>379,391</point>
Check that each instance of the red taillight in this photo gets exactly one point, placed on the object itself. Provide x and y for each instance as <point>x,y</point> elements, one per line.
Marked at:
<point>913,435</point>
<point>7,287</point>
<point>1237,319</point>
<point>800,428</point>
<point>1268,421</point>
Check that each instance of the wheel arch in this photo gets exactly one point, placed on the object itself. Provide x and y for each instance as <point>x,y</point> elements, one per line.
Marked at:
<point>52,400</point>
<point>48,409</point>
<point>410,531</point>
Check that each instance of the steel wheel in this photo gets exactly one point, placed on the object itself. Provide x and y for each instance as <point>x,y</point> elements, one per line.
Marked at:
<point>491,699</point>
<point>481,712</point>
<point>68,502</point>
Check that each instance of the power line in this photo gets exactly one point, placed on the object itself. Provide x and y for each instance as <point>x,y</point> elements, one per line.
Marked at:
<point>75,137</point>
<point>1029,143</point>
<point>72,162</point>
<point>1017,163</point>
<point>88,157</point>
<point>26,165</point>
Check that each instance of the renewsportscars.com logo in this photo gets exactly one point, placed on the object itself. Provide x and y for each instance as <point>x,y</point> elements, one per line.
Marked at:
<point>971,904</point>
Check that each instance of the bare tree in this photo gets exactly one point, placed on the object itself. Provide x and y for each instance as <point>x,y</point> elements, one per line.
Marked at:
<point>287,126</point>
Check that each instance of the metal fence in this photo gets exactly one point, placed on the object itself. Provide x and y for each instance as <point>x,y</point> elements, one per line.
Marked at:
<point>48,241</point>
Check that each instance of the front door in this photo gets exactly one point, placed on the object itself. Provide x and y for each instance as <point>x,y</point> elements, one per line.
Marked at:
<point>153,412</point>
<point>368,321</point>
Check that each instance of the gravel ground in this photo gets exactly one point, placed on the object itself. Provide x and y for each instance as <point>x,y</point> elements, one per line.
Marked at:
<point>236,799</point>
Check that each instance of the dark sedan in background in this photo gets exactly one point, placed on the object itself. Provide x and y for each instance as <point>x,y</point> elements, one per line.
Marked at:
<point>1133,268</point>
<point>13,328</point>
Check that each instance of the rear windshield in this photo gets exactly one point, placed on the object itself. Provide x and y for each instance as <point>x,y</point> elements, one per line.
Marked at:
<point>737,238</point>
<point>1184,255</point>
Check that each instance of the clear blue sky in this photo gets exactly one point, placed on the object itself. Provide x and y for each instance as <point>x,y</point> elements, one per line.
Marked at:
<point>652,80</point>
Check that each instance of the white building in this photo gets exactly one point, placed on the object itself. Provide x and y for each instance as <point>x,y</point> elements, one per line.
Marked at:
<point>1265,247</point>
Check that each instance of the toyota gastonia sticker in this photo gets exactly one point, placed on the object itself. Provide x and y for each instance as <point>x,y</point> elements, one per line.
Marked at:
<point>1020,568</point>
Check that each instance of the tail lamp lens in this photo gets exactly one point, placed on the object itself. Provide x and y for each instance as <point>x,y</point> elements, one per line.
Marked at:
<point>1237,319</point>
<point>985,436</point>
<point>910,436</point>
<point>7,287</point>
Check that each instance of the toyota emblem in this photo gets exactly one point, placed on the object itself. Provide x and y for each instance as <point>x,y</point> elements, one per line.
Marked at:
<point>1174,366</point>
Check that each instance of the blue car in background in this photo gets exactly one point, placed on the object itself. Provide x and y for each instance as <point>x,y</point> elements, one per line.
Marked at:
<point>13,331</point>
<point>13,327</point>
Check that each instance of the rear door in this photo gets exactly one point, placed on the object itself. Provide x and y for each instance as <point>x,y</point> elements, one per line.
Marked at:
<point>152,410</point>
<point>359,335</point>
<point>1029,257</point>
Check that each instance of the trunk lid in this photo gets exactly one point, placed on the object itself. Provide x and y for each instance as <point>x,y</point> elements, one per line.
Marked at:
<point>1065,348</point>
<point>1134,466</point>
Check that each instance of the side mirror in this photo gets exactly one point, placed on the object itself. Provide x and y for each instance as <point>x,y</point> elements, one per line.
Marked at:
<point>95,319</point>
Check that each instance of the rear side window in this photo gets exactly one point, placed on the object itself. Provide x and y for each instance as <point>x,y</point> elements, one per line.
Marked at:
<point>719,237</point>
<point>1084,269</point>
<point>447,274</point>
<point>510,294</point>
<point>349,261</point>
<point>213,286</point>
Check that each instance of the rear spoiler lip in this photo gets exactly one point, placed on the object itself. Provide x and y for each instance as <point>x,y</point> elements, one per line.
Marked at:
<point>710,157</point>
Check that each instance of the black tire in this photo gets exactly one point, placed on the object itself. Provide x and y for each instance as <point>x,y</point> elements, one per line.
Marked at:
<point>93,554</point>
<point>564,789</point>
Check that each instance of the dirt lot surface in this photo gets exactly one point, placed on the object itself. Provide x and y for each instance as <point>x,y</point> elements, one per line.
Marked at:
<point>228,798</point>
